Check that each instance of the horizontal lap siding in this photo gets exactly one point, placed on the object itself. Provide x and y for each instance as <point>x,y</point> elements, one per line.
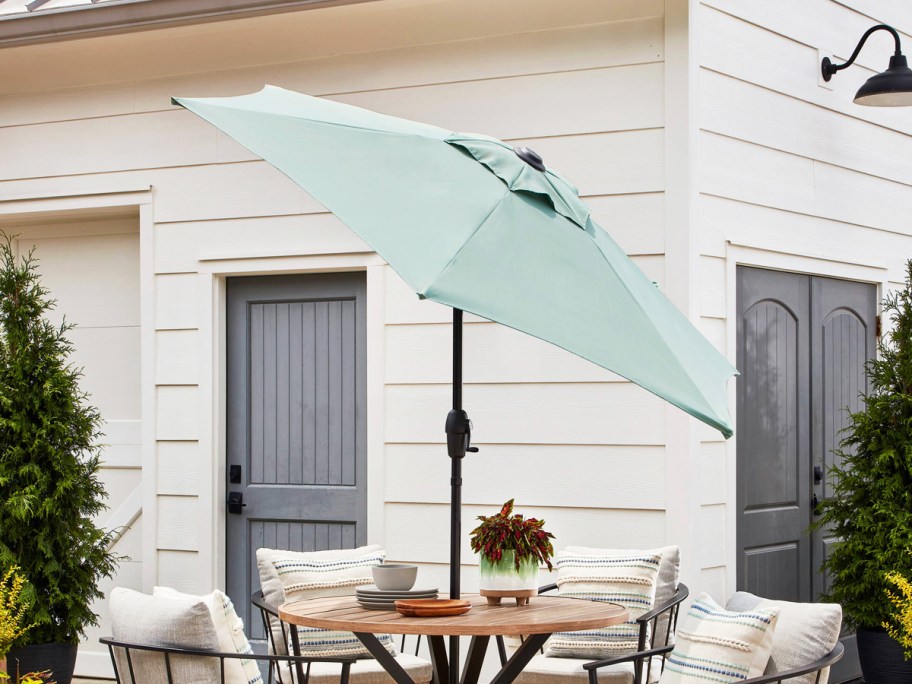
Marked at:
<point>422,528</point>
<point>565,437</point>
<point>790,167</point>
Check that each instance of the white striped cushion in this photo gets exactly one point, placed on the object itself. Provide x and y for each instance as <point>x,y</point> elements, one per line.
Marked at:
<point>327,573</point>
<point>624,577</point>
<point>721,646</point>
<point>230,631</point>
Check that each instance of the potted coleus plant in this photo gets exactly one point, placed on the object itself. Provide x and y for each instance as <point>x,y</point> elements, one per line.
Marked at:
<point>50,491</point>
<point>869,512</point>
<point>511,548</point>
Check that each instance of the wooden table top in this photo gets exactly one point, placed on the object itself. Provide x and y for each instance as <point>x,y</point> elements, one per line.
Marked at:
<point>542,615</point>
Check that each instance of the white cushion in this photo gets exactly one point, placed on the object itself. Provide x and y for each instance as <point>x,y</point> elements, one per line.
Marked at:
<point>229,629</point>
<point>805,632</point>
<point>290,576</point>
<point>623,577</point>
<point>545,670</point>
<point>717,645</point>
<point>367,671</point>
<point>666,583</point>
<point>142,619</point>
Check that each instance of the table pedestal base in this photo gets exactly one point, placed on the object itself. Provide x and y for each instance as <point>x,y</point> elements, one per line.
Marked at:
<point>474,659</point>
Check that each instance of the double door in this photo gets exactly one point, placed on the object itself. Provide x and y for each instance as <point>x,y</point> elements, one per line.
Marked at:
<point>803,342</point>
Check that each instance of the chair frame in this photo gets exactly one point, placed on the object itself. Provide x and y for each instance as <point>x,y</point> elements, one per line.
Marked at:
<point>168,652</point>
<point>645,622</point>
<point>817,666</point>
<point>267,610</point>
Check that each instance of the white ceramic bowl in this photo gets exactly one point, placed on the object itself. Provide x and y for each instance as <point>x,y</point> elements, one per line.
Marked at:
<point>394,576</point>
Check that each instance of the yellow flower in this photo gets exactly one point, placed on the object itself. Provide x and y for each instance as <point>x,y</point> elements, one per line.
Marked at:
<point>900,628</point>
<point>12,609</point>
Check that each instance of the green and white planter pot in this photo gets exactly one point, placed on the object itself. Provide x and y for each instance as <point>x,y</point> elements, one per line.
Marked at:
<point>502,580</point>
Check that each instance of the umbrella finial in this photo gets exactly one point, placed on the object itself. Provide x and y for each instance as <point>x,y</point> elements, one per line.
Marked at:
<point>531,157</point>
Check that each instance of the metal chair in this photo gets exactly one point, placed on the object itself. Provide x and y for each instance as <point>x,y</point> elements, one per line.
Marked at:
<point>268,611</point>
<point>817,667</point>
<point>168,654</point>
<point>647,623</point>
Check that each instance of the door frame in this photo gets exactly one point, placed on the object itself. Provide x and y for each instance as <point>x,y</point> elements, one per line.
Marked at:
<point>213,274</point>
<point>777,260</point>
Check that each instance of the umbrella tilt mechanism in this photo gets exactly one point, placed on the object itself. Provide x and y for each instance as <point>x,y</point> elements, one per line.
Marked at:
<point>459,434</point>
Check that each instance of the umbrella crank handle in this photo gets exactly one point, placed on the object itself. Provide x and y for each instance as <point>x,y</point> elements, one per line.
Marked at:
<point>459,434</point>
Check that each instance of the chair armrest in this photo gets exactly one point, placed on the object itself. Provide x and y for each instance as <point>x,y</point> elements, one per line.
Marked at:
<point>681,594</point>
<point>546,588</point>
<point>111,643</point>
<point>639,655</point>
<point>260,602</point>
<point>829,659</point>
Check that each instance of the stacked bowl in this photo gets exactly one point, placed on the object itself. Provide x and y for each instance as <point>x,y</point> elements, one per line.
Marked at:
<point>392,582</point>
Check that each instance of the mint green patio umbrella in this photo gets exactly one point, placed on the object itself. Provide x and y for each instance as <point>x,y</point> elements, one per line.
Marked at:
<point>471,222</point>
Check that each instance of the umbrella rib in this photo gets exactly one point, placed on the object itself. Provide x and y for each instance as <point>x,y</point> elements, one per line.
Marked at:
<point>670,346</point>
<point>465,242</point>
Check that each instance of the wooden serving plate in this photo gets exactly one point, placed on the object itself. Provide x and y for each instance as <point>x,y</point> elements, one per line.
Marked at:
<point>432,607</point>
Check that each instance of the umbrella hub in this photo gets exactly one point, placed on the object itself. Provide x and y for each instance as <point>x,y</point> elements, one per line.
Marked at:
<point>524,172</point>
<point>531,157</point>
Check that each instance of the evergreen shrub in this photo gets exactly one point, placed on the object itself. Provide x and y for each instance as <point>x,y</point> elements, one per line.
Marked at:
<point>50,492</point>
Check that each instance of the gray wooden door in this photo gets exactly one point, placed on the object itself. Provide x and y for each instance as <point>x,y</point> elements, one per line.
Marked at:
<point>296,421</point>
<point>774,491</point>
<point>802,345</point>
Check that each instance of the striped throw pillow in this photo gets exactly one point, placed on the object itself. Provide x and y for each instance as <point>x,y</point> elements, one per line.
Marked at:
<point>328,573</point>
<point>718,645</point>
<point>623,577</point>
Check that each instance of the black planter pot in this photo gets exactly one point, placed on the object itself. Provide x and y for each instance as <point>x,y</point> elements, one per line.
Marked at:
<point>60,659</point>
<point>882,660</point>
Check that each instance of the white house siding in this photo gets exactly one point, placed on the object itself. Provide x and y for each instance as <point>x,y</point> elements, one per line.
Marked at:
<point>791,175</point>
<point>582,82</point>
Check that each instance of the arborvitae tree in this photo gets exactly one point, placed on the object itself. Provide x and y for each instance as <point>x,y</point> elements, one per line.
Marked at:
<point>49,461</point>
<point>871,510</point>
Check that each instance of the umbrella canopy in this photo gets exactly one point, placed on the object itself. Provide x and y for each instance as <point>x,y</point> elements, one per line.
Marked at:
<point>468,221</point>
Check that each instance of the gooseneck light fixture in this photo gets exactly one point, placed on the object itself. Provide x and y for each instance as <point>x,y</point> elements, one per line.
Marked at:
<point>890,88</point>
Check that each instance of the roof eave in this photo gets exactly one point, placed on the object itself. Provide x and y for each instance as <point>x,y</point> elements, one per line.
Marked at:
<point>120,16</point>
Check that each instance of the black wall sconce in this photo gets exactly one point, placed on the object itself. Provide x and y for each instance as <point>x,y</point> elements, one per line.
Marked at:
<point>890,88</point>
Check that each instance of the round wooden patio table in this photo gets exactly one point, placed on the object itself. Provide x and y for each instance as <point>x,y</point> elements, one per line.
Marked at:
<point>537,620</point>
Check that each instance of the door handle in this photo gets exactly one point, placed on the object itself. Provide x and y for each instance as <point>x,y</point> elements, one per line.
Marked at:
<point>235,502</point>
<point>815,502</point>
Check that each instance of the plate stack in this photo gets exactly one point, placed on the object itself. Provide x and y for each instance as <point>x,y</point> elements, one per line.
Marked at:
<point>372,598</point>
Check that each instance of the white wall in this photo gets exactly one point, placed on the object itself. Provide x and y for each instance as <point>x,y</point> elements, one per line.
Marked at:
<point>791,175</point>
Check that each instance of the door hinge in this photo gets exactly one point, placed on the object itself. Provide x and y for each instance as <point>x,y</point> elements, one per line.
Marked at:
<point>878,326</point>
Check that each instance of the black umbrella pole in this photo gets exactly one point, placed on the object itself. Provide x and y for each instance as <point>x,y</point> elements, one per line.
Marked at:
<point>456,427</point>
<point>456,456</point>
